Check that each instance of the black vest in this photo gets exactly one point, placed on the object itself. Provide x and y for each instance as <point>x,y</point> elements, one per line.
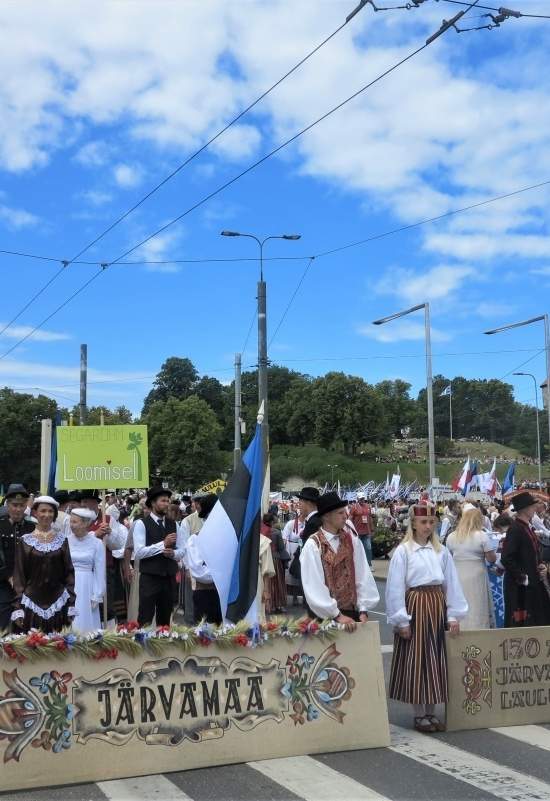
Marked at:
<point>158,565</point>
<point>9,534</point>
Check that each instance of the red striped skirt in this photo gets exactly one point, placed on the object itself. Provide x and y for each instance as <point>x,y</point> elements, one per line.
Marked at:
<point>419,665</point>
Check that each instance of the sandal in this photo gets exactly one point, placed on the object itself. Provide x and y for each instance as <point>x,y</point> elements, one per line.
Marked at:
<point>436,723</point>
<point>424,725</point>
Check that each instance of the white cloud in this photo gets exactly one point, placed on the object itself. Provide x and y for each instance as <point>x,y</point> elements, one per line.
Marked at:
<point>414,287</point>
<point>20,331</point>
<point>127,176</point>
<point>17,218</point>
<point>93,154</point>
<point>96,197</point>
<point>402,331</point>
<point>159,249</point>
<point>492,309</point>
<point>451,126</point>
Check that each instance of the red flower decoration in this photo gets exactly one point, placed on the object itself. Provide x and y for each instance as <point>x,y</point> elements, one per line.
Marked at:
<point>241,639</point>
<point>204,641</point>
<point>61,681</point>
<point>10,651</point>
<point>35,639</point>
<point>272,626</point>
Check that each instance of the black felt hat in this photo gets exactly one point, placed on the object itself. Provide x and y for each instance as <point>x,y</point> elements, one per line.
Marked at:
<point>523,500</point>
<point>156,492</point>
<point>329,502</point>
<point>310,494</point>
<point>90,495</point>
<point>61,496</point>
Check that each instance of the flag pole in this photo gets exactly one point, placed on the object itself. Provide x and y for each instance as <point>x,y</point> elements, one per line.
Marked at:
<point>103,517</point>
<point>451,411</point>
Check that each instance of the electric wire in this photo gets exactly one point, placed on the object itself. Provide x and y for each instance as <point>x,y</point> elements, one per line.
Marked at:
<point>291,300</point>
<point>492,8</point>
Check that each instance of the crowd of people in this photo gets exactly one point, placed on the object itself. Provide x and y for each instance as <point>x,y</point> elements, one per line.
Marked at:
<point>73,559</point>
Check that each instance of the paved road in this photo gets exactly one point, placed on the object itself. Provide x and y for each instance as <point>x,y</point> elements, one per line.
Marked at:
<point>512,764</point>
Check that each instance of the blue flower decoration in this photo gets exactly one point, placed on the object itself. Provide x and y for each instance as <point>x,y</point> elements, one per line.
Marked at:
<point>286,689</point>
<point>70,711</point>
<point>43,682</point>
<point>312,713</point>
<point>321,676</point>
<point>140,636</point>
<point>307,660</point>
<point>325,697</point>
<point>63,741</point>
<point>70,640</point>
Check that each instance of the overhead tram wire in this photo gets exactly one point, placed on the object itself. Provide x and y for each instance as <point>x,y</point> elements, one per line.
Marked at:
<point>216,136</point>
<point>291,300</point>
<point>517,14</point>
<point>66,263</point>
<point>444,27</point>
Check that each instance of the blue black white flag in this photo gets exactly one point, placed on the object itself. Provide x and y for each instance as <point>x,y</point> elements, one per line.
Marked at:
<point>229,541</point>
<point>447,391</point>
<point>509,479</point>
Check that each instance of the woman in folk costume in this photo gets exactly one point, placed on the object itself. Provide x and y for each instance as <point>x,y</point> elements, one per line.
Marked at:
<point>277,586</point>
<point>43,578</point>
<point>336,577</point>
<point>266,571</point>
<point>292,541</point>
<point>526,587</point>
<point>423,595</point>
<point>471,547</point>
<point>88,557</point>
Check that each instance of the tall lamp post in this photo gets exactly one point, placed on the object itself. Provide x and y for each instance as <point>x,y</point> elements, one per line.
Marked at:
<point>429,378</point>
<point>332,469</point>
<point>538,427</point>
<point>541,318</point>
<point>262,346</point>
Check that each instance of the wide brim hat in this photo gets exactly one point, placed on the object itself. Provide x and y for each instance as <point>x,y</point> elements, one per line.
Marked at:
<point>329,502</point>
<point>17,492</point>
<point>523,500</point>
<point>46,499</point>
<point>156,492</point>
<point>310,494</point>
<point>61,496</point>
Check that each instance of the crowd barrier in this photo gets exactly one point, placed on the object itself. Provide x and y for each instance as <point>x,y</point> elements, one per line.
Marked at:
<point>138,702</point>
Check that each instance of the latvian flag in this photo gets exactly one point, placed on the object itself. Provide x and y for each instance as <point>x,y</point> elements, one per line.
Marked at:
<point>229,541</point>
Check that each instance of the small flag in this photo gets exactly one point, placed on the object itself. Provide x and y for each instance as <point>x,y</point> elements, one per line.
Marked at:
<point>229,541</point>
<point>509,479</point>
<point>447,391</point>
<point>464,478</point>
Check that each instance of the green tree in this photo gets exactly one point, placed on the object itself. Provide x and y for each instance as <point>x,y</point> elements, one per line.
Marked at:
<point>347,410</point>
<point>399,407</point>
<point>20,416</point>
<point>184,437</point>
<point>176,379</point>
<point>120,416</point>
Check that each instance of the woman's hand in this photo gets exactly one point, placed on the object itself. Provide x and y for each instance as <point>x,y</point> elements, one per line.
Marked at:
<point>363,617</point>
<point>348,622</point>
<point>454,628</point>
<point>404,632</point>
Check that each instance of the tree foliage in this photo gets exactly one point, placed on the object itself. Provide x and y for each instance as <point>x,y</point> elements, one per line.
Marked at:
<point>20,426</point>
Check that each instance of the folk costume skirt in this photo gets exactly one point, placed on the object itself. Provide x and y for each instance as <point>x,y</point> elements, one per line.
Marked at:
<point>419,665</point>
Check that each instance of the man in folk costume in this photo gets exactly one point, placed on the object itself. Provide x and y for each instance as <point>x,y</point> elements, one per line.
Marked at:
<point>526,587</point>
<point>12,526</point>
<point>159,546</point>
<point>336,577</point>
<point>307,504</point>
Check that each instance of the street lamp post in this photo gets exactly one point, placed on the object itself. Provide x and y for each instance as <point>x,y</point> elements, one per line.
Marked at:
<point>538,426</point>
<point>332,469</point>
<point>262,345</point>
<point>429,378</point>
<point>541,318</point>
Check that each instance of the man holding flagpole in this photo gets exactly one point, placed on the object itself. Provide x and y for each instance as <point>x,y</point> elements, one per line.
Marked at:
<point>229,541</point>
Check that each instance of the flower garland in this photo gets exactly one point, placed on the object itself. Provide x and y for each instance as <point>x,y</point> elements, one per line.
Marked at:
<point>129,638</point>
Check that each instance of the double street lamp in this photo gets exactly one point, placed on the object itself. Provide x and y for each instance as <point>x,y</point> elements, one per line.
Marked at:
<point>262,344</point>
<point>538,427</point>
<point>429,378</point>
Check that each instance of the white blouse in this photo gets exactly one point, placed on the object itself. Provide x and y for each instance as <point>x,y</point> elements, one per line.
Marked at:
<point>414,565</point>
<point>313,578</point>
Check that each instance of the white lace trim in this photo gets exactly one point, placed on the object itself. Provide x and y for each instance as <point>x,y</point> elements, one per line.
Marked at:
<point>16,615</point>
<point>32,540</point>
<point>45,614</point>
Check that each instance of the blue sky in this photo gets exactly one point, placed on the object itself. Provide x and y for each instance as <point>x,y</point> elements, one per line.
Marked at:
<point>99,103</point>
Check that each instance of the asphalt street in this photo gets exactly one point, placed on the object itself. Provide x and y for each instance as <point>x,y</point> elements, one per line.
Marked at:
<point>512,764</point>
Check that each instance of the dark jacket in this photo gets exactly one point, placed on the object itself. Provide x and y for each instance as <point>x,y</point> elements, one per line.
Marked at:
<point>524,605</point>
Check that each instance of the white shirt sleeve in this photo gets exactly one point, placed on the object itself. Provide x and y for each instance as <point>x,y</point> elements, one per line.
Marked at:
<point>396,587</point>
<point>457,605</point>
<point>116,540</point>
<point>194,561</point>
<point>445,524</point>
<point>367,591</point>
<point>179,550</point>
<point>142,551</point>
<point>98,583</point>
<point>313,582</point>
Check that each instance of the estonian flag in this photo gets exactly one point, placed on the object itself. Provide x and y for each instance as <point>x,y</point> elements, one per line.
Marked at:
<point>229,541</point>
<point>509,479</point>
